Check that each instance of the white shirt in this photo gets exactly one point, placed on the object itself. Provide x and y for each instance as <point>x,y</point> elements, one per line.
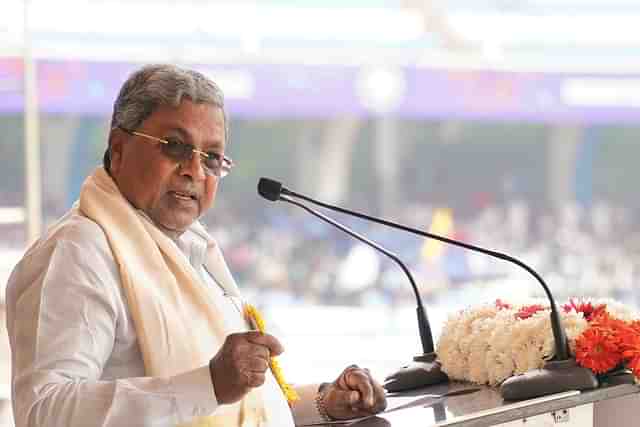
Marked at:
<point>75,356</point>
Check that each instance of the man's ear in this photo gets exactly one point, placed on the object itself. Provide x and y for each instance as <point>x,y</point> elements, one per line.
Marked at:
<point>116,147</point>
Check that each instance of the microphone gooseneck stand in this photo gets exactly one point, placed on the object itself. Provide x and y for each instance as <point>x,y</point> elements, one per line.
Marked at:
<point>425,370</point>
<point>559,374</point>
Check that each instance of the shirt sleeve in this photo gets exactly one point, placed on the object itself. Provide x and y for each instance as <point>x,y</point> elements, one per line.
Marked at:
<point>62,320</point>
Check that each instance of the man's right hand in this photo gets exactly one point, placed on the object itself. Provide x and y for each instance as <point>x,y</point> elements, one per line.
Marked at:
<point>241,364</point>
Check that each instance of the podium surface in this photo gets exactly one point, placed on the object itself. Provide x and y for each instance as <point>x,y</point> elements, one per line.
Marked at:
<point>617,405</point>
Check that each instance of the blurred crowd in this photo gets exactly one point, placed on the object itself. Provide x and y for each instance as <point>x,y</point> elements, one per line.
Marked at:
<point>283,255</point>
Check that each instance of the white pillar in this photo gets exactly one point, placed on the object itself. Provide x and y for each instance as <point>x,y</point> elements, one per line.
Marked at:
<point>334,159</point>
<point>31,137</point>
<point>306,160</point>
<point>563,147</point>
<point>386,155</point>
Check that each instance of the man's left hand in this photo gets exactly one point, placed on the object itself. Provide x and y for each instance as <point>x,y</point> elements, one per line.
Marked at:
<point>354,394</point>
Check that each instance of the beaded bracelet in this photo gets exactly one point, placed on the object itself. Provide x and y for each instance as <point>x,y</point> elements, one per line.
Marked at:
<point>319,401</point>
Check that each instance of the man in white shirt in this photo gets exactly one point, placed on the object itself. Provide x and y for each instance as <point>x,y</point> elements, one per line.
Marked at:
<point>125,314</point>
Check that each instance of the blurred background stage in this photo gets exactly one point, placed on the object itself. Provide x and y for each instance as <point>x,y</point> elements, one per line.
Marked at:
<point>512,124</point>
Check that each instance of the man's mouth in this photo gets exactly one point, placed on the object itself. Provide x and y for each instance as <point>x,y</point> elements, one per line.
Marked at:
<point>183,195</point>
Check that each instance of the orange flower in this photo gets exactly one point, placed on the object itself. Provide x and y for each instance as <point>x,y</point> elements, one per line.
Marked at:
<point>616,327</point>
<point>630,345</point>
<point>597,348</point>
<point>631,353</point>
<point>627,337</point>
<point>635,326</point>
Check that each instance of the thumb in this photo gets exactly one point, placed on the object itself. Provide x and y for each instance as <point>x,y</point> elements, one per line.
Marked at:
<point>348,398</point>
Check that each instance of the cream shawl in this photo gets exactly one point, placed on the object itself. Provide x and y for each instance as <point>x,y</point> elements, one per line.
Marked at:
<point>177,322</point>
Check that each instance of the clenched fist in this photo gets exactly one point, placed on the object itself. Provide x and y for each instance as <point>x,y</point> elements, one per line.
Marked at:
<point>355,393</point>
<point>241,364</point>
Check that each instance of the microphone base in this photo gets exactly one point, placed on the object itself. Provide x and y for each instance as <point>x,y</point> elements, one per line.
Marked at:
<point>424,371</point>
<point>623,376</point>
<point>555,377</point>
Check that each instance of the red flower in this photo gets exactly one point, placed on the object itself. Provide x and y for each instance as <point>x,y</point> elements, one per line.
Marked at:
<point>597,348</point>
<point>528,311</point>
<point>631,352</point>
<point>629,335</point>
<point>502,305</point>
<point>616,327</point>
<point>635,326</point>
<point>587,309</point>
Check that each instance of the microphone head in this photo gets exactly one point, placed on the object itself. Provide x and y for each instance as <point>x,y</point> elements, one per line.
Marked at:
<point>269,189</point>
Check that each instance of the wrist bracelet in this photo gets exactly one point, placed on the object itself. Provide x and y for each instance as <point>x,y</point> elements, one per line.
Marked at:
<point>320,406</point>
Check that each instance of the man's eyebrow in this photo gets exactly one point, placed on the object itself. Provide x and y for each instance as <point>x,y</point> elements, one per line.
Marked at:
<point>182,133</point>
<point>187,137</point>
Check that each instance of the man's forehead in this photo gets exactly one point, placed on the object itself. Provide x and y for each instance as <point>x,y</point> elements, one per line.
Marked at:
<point>188,108</point>
<point>188,116</point>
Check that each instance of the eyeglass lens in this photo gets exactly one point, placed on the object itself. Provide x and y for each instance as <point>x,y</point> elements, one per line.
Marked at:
<point>182,152</point>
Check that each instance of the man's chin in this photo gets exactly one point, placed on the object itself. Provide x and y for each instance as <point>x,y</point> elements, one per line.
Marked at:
<point>175,228</point>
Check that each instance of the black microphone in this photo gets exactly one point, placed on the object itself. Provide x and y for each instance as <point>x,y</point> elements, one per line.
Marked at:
<point>559,374</point>
<point>424,370</point>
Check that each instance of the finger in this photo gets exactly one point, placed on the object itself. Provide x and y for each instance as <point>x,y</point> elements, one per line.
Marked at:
<point>342,379</point>
<point>353,399</point>
<point>379,403</point>
<point>346,400</point>
<point>239,350</point>
<point>254,364</point>
<point>267,340</point>
<point>243,346</point>
<point>256,351</point>
<point>379,396</point>
<point>254,379</point>
<point>358,379</point>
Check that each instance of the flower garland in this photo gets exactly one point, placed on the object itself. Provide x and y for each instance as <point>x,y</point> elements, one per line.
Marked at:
<point>492,342</point>
<point>255,318</point>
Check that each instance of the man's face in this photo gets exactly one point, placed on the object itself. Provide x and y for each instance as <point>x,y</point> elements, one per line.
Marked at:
<point>171,193</point>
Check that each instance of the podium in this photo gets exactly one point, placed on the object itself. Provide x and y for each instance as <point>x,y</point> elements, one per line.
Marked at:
<point>615,406</point>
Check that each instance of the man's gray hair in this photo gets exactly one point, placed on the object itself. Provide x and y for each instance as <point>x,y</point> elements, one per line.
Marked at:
<point>156,85</point>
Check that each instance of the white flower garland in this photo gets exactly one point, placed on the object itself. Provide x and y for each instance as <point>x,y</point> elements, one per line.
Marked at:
<point>488,344</point>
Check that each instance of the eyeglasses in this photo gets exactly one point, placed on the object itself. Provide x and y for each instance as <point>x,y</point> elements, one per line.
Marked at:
<point>212,163</point>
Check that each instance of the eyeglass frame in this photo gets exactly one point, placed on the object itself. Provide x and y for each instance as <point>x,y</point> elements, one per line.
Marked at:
<point>224,171</point>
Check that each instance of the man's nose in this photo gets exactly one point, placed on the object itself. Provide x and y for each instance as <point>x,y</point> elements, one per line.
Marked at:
<point>194,167</point>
